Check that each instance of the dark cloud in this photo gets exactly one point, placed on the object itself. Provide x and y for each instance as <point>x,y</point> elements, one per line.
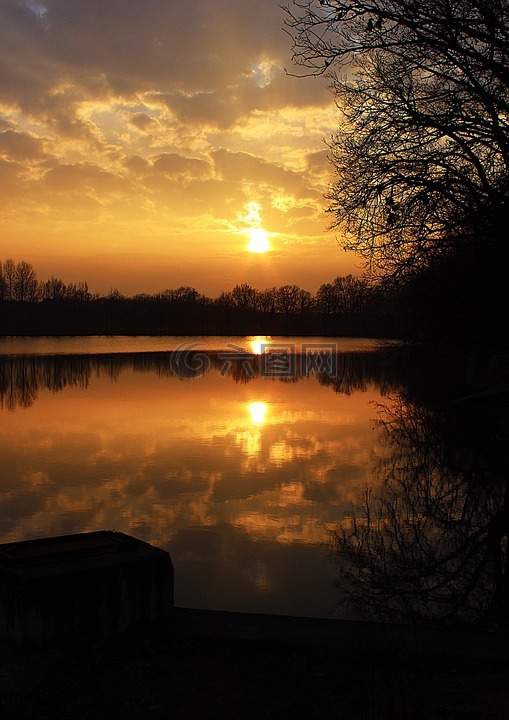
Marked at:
<point>138,45</point>
<point>142,121</point>
<point>227,106</point>
<point>318,163</point>
<point>175,164</point>
<point>136,164</point>
<point>21,146</point>
<point>6,124</point>
<point>79,176</point>
<point>202,58</point>
<point>241,166</point>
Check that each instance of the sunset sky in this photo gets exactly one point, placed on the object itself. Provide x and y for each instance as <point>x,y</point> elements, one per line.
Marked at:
<point>144,144</point>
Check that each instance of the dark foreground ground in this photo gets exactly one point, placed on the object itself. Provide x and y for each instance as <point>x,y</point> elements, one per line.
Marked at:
<point>224,665</point>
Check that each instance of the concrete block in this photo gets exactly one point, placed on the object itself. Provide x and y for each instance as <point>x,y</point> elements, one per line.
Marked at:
<point>93,584</point>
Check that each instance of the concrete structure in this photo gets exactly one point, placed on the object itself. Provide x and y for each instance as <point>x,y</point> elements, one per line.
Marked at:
<point>95,583</point>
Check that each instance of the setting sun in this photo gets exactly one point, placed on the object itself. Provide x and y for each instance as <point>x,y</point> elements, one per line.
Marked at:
<point>259,242</point>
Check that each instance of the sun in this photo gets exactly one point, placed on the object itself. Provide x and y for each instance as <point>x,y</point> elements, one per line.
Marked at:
<point>259,242</point>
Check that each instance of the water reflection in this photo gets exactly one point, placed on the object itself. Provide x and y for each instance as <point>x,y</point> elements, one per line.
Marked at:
<point>21,378</point>
<point>243,473</point>
<point>258,411</point>
<point>430,540</point>
<point>259,344</point>
<point>239,474</point>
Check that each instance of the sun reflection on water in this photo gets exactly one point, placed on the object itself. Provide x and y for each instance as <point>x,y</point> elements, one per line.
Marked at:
<point>258,412</point>
<point>259,343</point>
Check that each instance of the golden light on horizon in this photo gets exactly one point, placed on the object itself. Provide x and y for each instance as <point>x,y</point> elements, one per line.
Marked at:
<point>258,411</point>
<point>259,242</point>
<point>112,176</point>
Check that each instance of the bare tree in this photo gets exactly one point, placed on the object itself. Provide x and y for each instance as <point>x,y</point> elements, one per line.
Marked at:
<point>344,295</point>
<point>78,292</point>
<point>423,145</point>
<point>3,284</point>
<point>288,299</point>
<point>52,289</point>
<point>267,300</point>
<point>304,301</point>
<point>432,543</point>
<point>25,282</point>
<point>186,294</point>
<point>9,275</point>
<point>245,297</point>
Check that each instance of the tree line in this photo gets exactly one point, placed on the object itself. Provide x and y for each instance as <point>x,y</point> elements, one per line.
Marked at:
<point>347,294</point>
<point>347,306</point>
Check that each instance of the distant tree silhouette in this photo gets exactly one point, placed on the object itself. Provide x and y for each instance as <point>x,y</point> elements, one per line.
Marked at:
<point>245,297</point>
<point>54,307</point>
<point>25,283</point>
<point>187,294</point>
<point>288,299</point>
<point>9,275</point>
<point>3,283</point>
<point>268,300</point>
<point>52,289</point>
<point>78,292</point>
<point>344,294</point>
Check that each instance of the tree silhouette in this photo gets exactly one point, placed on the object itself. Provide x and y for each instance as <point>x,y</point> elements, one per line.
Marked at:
<point>288,299</point>
<point>53,307</point>
<point>432,541</point>
<point>3,283</point>
<point>423,146</point>
<point>9,278</point>
<point>344,294</point>
<point>245,297</point>
<point>53,289</point>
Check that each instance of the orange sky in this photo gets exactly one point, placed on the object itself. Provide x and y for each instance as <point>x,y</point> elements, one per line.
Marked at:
<point>141,141</point>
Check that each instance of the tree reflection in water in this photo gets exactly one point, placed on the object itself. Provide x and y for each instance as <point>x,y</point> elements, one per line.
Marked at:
<point>431,544</point>
<point>22,378</point>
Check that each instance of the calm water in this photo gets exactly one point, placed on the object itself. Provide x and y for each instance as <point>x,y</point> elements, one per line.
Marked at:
<point>240,470</point>
<point>95,345</point>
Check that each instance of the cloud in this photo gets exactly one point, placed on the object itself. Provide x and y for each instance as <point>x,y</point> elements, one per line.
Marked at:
<point>21,145</point>
<point>10,173</point>
<point>137,45</point>
<point>227,106</point>
<point>86,176</point>
<point>174,164</point>
<point>142,121</point>
<point>160,119</point>
<point>241,166</point>
<point>136,164</point>
<point>208,62</point>
<point>318,163</point>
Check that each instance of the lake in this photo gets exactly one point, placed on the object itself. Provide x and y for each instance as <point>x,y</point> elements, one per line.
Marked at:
<point>239,471</point>
<point>244,458</point>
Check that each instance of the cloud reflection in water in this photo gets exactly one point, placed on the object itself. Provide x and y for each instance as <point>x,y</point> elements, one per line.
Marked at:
<point>241,490</point>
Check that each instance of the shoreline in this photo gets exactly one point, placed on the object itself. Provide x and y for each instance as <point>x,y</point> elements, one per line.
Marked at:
<point>216,664</point>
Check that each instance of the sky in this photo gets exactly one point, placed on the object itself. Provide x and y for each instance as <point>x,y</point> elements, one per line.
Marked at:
<point>148,144</point>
